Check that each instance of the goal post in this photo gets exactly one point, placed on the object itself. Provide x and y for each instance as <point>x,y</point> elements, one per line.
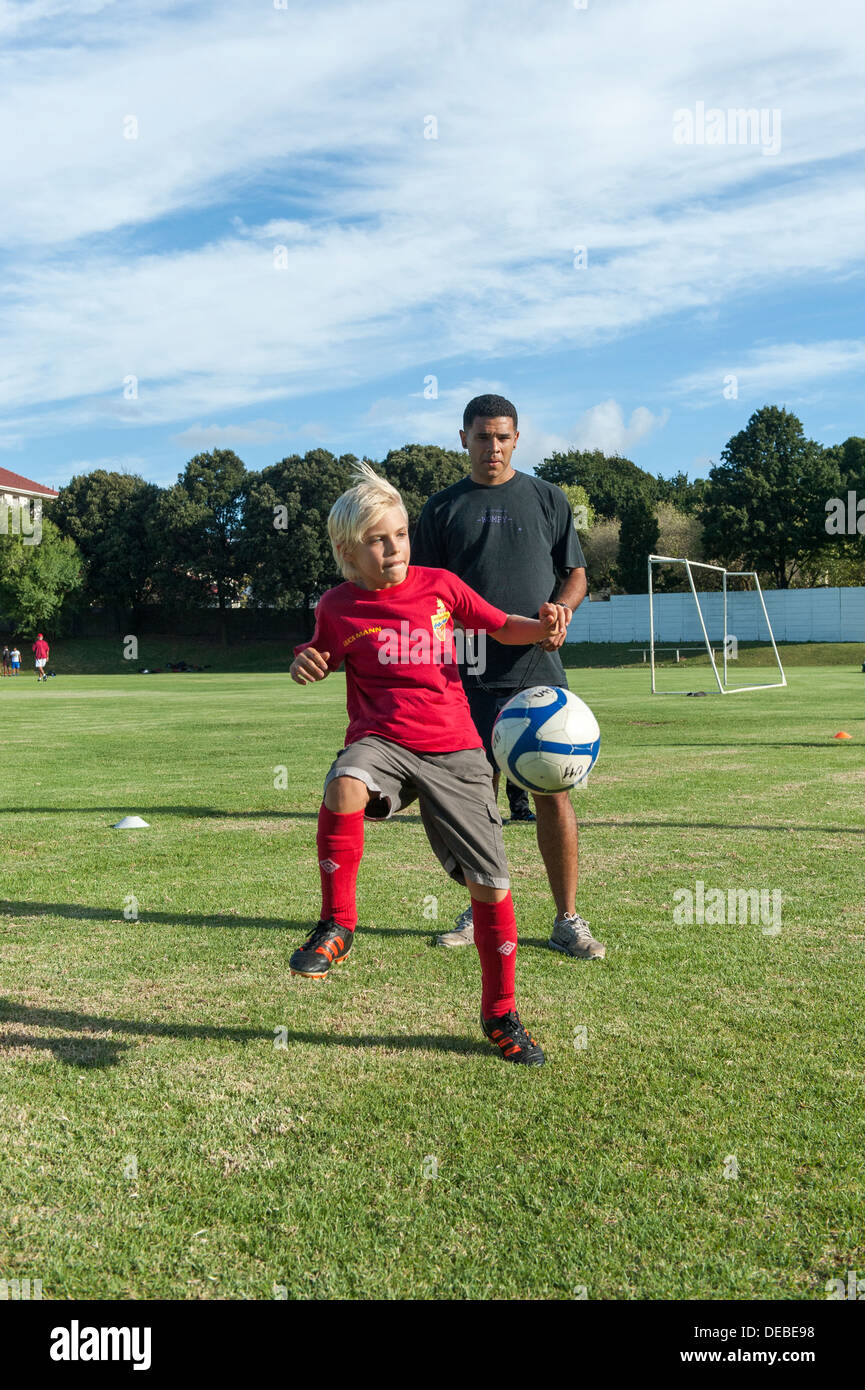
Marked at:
<point>722,681</point>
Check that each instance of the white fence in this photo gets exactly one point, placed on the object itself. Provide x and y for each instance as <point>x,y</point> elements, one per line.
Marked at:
<point>796,615</point>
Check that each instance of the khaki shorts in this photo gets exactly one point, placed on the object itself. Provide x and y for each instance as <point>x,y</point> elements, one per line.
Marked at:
<point>454,792</point>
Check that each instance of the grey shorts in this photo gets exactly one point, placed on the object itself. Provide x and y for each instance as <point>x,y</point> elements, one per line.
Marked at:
<point>454,792</point>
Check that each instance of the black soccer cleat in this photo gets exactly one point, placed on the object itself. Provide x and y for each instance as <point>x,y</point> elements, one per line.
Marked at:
<point>512,1039</point>
<point>327,944</point>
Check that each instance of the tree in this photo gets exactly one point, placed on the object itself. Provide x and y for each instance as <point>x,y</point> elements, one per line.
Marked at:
<point>581,507</point>
<point>419,470</point>
<point>684,493</point>
<point>285,548</point>
<point>611,482</point>
<point>601,549</point>
<point>679,534</point>
<point>637,540</point>
<point>35,579</point>
<point>840,560</point>
<point>851,461</point>
<point>765,506</point>
<point>200,519</point>
<point>112,518</point>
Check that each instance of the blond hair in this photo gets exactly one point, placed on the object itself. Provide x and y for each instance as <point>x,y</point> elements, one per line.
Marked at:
<point>356,510</point>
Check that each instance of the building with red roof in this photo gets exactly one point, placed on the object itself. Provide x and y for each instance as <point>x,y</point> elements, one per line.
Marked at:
<point>13,485</point>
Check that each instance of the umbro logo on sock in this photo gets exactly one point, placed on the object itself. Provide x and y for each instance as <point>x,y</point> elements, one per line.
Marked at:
<point>328,865</point>
<point>506,948</point>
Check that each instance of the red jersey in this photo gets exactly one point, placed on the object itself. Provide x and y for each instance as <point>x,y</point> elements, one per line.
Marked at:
<point>402,678</point>
<point>40,649</point>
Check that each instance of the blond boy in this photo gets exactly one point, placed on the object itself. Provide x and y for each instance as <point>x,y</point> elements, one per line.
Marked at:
<point>410,737</point>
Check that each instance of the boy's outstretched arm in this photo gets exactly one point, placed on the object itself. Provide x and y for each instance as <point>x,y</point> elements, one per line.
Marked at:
<point>309,666</point>
<point>522,632</point>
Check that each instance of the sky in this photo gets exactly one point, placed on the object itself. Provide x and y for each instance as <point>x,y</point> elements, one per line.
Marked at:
<point>289,224</point>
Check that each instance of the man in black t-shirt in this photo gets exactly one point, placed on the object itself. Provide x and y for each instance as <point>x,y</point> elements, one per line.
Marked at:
<point>511,536</point>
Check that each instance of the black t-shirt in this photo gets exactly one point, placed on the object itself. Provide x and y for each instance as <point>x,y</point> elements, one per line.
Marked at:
<point>514,543</point>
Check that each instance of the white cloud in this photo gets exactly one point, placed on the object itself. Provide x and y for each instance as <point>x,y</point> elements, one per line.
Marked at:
<point>400,251</point>
<point>603,427</point>
<point>535,444</point>
<point>775,369</point>
<point>434,420</point>
<point>439,421</point>
<point>206,437</point>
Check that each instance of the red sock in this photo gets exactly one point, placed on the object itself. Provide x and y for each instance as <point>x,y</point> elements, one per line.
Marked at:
<point>496,940</point>
<point>340,850</point>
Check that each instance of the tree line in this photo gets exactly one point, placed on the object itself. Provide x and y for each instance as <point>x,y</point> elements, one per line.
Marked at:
<point>224,535</point>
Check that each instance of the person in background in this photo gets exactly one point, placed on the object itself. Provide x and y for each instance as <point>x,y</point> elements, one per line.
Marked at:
<point>15,657</point>
<point>7,664</point>
<point>40,653</point>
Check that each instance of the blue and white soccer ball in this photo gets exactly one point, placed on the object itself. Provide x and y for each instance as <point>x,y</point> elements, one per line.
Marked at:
<point>546,739</point>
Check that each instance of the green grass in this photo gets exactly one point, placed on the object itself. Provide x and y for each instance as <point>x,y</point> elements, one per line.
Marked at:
<point>157,1144</point>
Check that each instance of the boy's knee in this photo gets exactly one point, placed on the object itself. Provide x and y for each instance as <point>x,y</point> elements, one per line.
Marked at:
<point>346,794</point>
<point>485,894</point>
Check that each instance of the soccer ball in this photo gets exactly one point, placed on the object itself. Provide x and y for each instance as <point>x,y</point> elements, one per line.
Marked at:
<point>546,739</point>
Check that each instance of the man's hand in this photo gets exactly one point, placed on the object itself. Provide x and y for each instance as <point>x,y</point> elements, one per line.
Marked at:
<point>557,616</point>
<point>549,618</point>
<point>309,666</point>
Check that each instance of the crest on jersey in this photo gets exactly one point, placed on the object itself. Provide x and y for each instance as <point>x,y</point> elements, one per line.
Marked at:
<point>440,620</point>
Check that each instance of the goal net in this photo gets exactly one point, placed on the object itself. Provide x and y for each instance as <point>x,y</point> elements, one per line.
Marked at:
<point>698,633</point>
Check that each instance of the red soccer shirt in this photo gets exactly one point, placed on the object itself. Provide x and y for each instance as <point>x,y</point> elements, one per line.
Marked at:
<point>40,649</point>
<point>402,678</point>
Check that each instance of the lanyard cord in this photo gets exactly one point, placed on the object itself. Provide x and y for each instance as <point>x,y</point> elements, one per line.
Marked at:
<point>532,664</point>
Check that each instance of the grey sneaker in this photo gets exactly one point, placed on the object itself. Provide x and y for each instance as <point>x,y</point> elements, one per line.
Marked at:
<point>464,935</point>
<point>571,935</point>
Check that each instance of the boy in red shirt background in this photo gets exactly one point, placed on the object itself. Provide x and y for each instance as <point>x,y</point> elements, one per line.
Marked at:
<point>40,653</point>
<point>410,737</point>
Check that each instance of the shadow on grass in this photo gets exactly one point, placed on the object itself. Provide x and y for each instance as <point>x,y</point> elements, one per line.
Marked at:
<point>209,811</point>
<point>82,912</point>
<point>198,812</point>
<point>75,1052</point>
<point>742,746</point>
<point>192,812</point>
<point>107,1052</point>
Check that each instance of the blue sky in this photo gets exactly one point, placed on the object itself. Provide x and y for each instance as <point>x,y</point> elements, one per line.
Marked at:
<point>237,206</point>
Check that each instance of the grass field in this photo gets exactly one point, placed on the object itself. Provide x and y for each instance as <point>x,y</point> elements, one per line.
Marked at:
<point>159,1142</point>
